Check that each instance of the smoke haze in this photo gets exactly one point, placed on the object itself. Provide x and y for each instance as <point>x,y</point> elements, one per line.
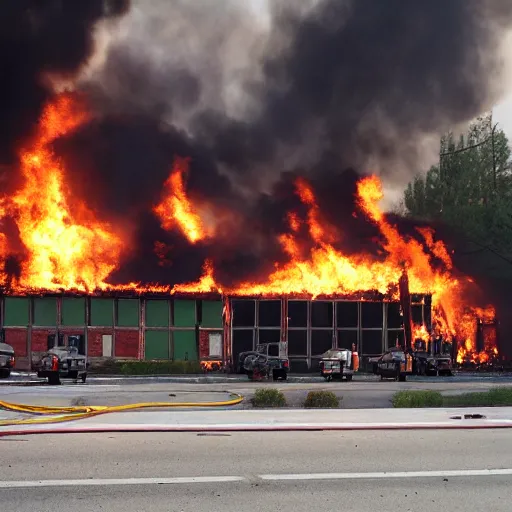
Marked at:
<point>253,97</point>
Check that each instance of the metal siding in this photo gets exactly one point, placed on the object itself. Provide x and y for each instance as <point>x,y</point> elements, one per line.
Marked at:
<point>212,314</point>
<point>185,345</point>
<point>16,311</point>
<point>101,312</point>
<point>127,313</point>
<point>157,313</point>
<point>185,313</point>
<point>45,311</point>
<point>157,345</point>
<point>73,311</point>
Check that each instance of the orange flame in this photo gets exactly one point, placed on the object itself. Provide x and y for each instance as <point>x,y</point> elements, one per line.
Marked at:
<point>175,209</point>
<point>420,333</point>
<point>66,246</point>
<point>210,365</point>
<point>467,352</point>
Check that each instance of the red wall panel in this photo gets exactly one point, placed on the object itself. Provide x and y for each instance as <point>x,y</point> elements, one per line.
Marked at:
<point>18,339</point>
<point>95,341</point>
<point>40,339</point>
<point>126,343</point>
<point>204,344</point>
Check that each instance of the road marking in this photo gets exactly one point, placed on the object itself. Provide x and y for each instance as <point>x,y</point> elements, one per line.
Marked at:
<point>119,481</point>
<point>391,474</point>
<point>105,482</point>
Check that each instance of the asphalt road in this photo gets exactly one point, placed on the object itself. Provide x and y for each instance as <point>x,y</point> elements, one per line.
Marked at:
<point>357,471</point>
<point>354,395</point>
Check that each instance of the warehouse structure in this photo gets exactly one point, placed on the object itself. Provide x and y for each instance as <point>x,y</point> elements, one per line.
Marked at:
<point>197,327</point>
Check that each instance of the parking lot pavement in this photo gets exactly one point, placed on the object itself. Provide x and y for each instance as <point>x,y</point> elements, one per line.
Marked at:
<point>353,395</point>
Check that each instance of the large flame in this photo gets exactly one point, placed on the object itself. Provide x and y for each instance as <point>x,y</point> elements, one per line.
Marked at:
<point>67,247</point>
<point>176,209</point>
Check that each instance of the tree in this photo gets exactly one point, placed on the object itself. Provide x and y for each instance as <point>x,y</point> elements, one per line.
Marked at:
<point>471,187</point>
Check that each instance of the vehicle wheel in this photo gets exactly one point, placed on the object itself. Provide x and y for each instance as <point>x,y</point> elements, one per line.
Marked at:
<point>349,378</point>
<point>73,375</point>
<point>84,377</point>
<point>54,380</point>
<point>4,374</point>
<point>402,378</point>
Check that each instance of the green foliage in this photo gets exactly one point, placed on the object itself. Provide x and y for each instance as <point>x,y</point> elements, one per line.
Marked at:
<point>496,397</point>
<point>417,398</point>
<point>321,400</point>
<point>470,190</point>
<point>268,397</point>
<point>113,367</point>
<point>501,396</point>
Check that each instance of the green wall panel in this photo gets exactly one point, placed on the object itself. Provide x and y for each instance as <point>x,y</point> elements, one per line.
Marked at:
<point>212,314</point>
<point>45,311</point>
<point>185,345</point>
<point>73,311</point>
<point>128,312</point>
<point>101,312</point>
<point>185,313</point>
<point>157,345</point>
<point>16,311</point>
<point>157,313</point>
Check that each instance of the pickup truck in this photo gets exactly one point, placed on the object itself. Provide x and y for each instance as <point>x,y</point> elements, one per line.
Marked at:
<point>62,363</point>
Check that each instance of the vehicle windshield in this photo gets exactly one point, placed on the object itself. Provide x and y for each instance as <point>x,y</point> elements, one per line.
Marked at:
<point>332,354</point>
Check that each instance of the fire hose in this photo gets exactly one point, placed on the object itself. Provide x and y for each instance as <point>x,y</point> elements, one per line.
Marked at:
<point>72,413</point>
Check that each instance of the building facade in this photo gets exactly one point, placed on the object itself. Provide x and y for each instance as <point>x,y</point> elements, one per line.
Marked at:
<point>186,328</point>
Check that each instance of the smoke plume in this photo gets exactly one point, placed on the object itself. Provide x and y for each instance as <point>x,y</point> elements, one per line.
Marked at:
<point>40,40</point>
<point>253,97</point>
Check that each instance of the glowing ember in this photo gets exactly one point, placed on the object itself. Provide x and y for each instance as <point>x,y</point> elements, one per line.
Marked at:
<point>66,246</point>
<point>176,210</point>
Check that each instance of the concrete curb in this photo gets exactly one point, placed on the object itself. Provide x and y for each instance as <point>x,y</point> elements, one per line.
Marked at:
<point>461,425</point>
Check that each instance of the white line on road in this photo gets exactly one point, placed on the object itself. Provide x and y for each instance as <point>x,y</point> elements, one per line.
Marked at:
<point>119,481</point>
<point>225,479</point>
<point>397,474</point>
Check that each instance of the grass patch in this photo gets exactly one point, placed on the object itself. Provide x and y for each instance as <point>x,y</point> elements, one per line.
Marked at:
<point>493,398</point>
<point>321,400</point>
<point>112,367</point>
<point>268,397</point>
<point>417,398</point>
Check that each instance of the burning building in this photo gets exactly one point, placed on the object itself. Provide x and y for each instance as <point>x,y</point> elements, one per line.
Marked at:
<point>137,237</point>
<point>318,297</point>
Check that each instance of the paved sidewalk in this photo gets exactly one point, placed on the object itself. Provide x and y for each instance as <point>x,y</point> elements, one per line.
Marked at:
<point>274,420</point>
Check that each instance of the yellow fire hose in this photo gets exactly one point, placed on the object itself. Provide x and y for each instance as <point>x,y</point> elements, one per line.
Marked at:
<point>87,411</point>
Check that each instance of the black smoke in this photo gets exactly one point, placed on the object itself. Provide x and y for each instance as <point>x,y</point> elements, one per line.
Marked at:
<point>344,84</point>
<point>40,38</point>
<point>366,80</point>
